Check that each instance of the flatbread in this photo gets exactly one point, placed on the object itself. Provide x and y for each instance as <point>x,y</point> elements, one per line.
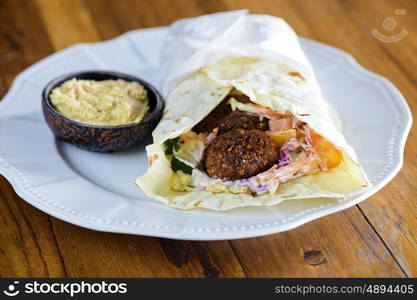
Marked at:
<point>275,85</point>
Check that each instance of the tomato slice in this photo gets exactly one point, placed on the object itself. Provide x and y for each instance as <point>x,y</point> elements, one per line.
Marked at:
<point>328,153</point>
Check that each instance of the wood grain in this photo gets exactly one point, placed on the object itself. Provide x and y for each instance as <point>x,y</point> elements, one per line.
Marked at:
<point>28,246</point>
<point>376,238</point>
<point>343,245</point>
<point>69,23</point>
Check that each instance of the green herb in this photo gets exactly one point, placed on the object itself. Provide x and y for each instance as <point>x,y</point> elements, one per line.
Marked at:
<point>172,145</point>
<point>177,165</point>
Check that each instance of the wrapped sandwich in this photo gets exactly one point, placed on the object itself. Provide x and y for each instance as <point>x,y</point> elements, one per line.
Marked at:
<point>245,124</point>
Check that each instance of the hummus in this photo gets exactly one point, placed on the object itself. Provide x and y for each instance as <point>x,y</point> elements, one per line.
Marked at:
<point>106,103</point>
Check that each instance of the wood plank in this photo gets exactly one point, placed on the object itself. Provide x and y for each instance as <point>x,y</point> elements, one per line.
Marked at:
<point>122,16</point>
<point>28,246</point>
<point>67,22</point>
<point>306,18</point>
<point>341,245</point>
<point>22,38</point>
<point>88,253</point>
<point>392,210</point>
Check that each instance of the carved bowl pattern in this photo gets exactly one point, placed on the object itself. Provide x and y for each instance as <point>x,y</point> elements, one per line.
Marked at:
<point>101,138</point>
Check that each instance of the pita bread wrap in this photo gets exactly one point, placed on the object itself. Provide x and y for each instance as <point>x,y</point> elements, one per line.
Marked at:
<point>224,57</point>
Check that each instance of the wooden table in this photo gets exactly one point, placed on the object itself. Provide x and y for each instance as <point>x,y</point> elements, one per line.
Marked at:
<point>376,238</point>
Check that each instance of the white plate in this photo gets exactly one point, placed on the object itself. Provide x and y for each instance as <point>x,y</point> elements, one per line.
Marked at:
<point>97,191</point>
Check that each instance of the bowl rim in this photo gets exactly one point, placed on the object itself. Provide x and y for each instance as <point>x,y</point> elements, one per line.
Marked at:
<point>51,85</point>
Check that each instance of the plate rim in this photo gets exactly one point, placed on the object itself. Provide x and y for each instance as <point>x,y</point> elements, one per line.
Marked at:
<point>12,174</point>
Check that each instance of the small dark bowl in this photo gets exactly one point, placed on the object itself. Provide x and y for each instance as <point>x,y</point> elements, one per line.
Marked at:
<point>101,138</point>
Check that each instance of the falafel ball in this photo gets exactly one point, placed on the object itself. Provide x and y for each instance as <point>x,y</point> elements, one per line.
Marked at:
<point>241,120</point>
<point>239,154</point>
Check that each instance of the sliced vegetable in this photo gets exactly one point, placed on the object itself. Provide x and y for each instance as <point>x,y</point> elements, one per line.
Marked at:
<point>178,165</point>
<point>328,153</point>
<point>286,154</point>
<point>190,185</point>
<point>172,145</point>
<point>281,137</point>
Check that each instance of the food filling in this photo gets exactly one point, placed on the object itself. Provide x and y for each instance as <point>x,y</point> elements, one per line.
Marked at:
<point>106,102</point>
<point>242,147</point>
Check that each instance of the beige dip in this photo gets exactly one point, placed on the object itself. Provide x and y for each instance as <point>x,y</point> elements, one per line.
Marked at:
<point>106,103</point>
